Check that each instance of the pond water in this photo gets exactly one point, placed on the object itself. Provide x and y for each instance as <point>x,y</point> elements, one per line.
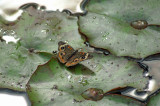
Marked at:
<point>10,10</point>
<point>13,98</point>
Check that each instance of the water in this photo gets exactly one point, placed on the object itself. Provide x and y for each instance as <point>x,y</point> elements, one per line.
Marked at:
<point>60,94</point>
<point>151,67</point>
<point>10,39</point>
<point>8,36</point>
<point>152,86</point>
<point>69,77</point>
<point>142,95</point>
<point>133,93</point>
<point>105,37</point>
<point>13,98</point>
<point>83,81</point>
<point>10,10</point>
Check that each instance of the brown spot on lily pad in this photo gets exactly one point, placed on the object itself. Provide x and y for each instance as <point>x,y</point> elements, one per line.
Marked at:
<point>54,87</point>
<point>93,94</point>
<point>139,24</point>
<point>31,50</point>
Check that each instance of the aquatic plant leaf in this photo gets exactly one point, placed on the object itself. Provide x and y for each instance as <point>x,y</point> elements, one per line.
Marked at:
<point>42,30</point>
<point>38,31</point>
<point>53,83</point>
<point>154,101</point>
<point>107,25</point>
<point>17,65</point>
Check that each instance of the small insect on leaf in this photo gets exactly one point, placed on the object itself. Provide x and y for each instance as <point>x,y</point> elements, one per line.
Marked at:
<point>69,56</point>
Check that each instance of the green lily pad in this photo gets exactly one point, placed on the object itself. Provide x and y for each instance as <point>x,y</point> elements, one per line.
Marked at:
<point>17,65</point>
<point>107,25</point>
<point>42,30</point>
<point>38,31</point>
<point>154,101</point>
<point>53,83</point>
<point>55,97</point>
<point>128,10</point>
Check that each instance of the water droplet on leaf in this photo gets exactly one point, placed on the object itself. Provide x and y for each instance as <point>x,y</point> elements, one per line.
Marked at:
<point>45,31</point>
<point>60,94</point>
<point>83,81</point>
<point>94,17</point>
<point>50,39</point>
<point>69,77</point>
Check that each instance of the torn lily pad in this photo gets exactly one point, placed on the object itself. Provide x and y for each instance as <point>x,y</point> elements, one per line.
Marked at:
<point>37,31</point>
<point>17,65</point>
<point>53,83</point>
<point>109,22</point>
<point>42,30</point>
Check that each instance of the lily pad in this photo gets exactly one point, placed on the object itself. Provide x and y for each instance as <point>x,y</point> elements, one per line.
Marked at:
<point>43,30</point>
<point>154,101</point>
<point>108,22</point>
<point>38,31</point>
<point>17,65</point>
<point>53,83</point>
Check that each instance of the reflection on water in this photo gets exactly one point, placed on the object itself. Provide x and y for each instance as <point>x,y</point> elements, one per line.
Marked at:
<point>10,39</point>
<point>8,36</point>
<point>152,86</point>
<point>10,9</point>
<point>151,66</point>
<point>13,98</point>
<point>154,69</point>
<point>142,96</point>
